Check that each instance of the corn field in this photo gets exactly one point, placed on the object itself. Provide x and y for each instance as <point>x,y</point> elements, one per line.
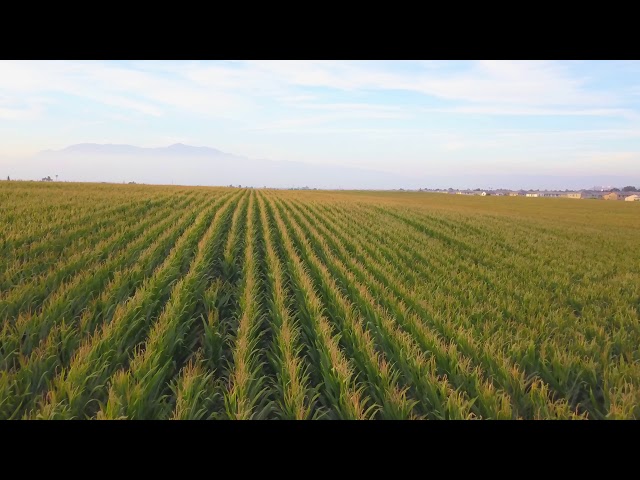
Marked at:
<point>161,302</point>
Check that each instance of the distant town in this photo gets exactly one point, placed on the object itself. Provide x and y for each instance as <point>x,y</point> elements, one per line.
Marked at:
<point>629,193</point>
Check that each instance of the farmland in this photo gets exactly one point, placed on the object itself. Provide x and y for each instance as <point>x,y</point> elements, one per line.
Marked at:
<point>163,302</point>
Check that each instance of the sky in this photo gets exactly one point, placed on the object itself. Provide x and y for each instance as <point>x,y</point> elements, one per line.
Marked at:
<point>407,117</point>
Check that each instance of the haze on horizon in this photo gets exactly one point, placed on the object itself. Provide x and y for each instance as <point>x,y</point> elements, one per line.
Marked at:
<point>410,119</point>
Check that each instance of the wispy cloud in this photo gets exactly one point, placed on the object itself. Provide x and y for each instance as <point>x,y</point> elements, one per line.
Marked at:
<point>114,85</point>
<point>334,112</point>
<point>405,113</point>
<point>535,83</point>
<point>491,87</point>
<point>538,112</point>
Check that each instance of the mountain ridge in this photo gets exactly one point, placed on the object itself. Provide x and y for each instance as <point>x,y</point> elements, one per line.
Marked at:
<point>122,148</point>
<point>192,165</point>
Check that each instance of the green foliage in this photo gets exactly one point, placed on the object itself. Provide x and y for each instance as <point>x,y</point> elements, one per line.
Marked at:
<point>144,302</point>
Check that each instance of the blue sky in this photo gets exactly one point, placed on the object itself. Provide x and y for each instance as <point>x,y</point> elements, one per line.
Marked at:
<point>409,117</point>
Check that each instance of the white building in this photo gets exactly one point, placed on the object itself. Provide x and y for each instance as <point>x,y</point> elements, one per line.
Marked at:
<point>632,198</point>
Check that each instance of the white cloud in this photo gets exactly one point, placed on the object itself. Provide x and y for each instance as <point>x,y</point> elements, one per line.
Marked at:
<point>296,99</point>
<point>113,85</point>
<point>533,83</point>
<point>351,107</point>
<point>19,109</point>
<point>378,111</point>
<point>336,112</point>
<point>535,111</point>
<point>26,113</point>
<point>223,89</point>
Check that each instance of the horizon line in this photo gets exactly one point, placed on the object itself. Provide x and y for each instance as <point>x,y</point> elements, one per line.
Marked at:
<point>305,187</point>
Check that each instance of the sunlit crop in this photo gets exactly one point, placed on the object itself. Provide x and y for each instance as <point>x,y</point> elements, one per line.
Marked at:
<point>159,302</point>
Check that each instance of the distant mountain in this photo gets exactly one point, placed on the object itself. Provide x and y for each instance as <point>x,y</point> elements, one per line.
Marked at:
<point>188,165</point>
<point>116,149</point>
<point>93,148</point>
<point>182,149</point>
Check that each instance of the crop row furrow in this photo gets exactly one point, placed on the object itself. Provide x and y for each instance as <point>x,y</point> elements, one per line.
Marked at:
<point>56,350</point>
<point>385,313</point>
<point>136,391</point>
<point>341,393</point>
<point>295,397</point>
<point>79,390</point>
<point>381,376</point>
<point>388,265</point>
<point>30,297</point>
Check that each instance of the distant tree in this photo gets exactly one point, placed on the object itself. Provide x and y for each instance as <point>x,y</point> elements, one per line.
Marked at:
<point>615,189</point>
<point>8,179</point>
<point>629,189</point>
